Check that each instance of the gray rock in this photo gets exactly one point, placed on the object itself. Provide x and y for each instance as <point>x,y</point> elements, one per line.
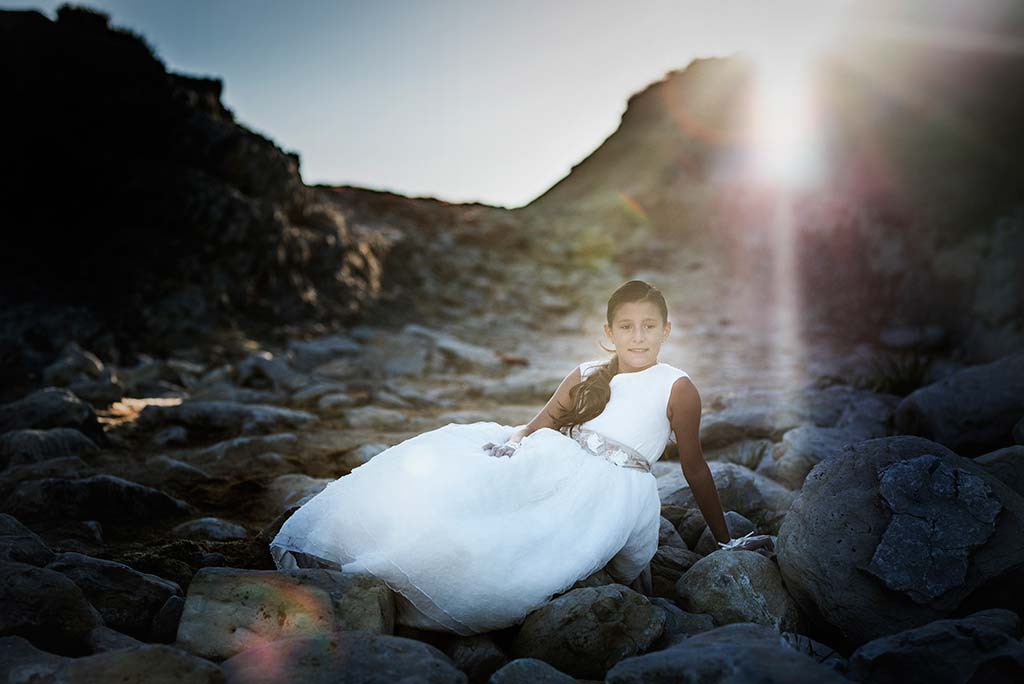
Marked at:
<point>293,489</point>
<point>69,467</point>
<point>1007,465</point>
<point>801,449</point>
<point>822,653</point>
<point>175,435</point>
<point>586,631</point>
<point>210,528</point>
<point>20,544</point>
<point>748,453</point>
<point>29,446</point>
<point>667,566</point>
<point>349,657</point>
<point>46,608</point>
<point>262,369</point>
<point>216,417</point>
<point>51,407</point>
<point>738,653</point>
<point>375,418</point>
<point>150,663</point>
<point>72,363</point>
<point>99,497</point>
<point>529,671</point>
<point>20,661</point>
<point>261,455</point>
<point>734,585</point>
<point>313,391</point>
<point>171,472</point>
<point>462,356</point>
<point>1018,432</point>
<point>126,598</point>
<point>972,411</point>
<point>982,647</point>
<point>762,501</point>
<point>477,655</point>
<point>228,610</point>
<point>165,623</point>
<point>103,639</point>
<point>308,354</point>
<point>679,624</point>
<point>836,525</point>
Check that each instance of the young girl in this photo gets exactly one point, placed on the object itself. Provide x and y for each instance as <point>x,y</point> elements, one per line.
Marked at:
<point>473,544</point>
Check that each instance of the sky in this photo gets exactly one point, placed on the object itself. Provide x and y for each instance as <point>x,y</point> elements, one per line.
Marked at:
<point>463,100</point>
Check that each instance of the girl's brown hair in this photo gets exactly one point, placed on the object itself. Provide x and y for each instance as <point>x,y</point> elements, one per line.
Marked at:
<point>589,397</point>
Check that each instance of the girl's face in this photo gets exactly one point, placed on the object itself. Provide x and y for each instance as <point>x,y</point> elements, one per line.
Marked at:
<point>637,332</point>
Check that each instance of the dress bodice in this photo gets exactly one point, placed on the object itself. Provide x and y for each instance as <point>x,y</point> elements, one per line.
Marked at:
<point>635,413</point>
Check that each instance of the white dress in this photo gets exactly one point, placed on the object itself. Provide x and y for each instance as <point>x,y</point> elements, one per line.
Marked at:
<point>473,543</point>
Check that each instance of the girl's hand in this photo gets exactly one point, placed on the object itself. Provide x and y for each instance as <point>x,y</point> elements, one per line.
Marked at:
<point>499,450</point>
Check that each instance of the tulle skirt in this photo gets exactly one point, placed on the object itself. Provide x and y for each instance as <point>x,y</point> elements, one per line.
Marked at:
<point>473,543</point>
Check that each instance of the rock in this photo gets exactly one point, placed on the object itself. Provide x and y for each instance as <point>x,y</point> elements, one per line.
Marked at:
<point>748,453</point>
<point>679,624</point>
<point>165,623</point>
<point>20,447</point>
<point>734,585</point>
<point>912,337</point>
<point>853,555</point>
<point>291,490</point>
<point>1007,465</point>
<point>735,653</point>
<point>72,363</point>
<point>147,663</point>
<point>20,544</point>
<point>586,631</point>
<point>210,528</point>
<point>667,566</point>
<point>982,647</point>
<point>20,661</point>
<point>99,497</point>
<point>70,467</point>
<point>171,472</point>
<point>100,392</point>
<point>668,535</point>
<point>349,657</point>
<point>762,501</point>
<point>529,671</point>
<point>365,452</point>
<point>175,435</point>
<point>1018,432</point>
<point>738,526</point>
<point>461,356</point>
<point>313,391</point>
<point>972,411</point>
<point>476,655</point>
<point>224,417</point>
<point>46,608</point>
<point>801,449</point>
<point>869,414</point>
<point>228,611</point>
<point>308,354</point>
<point>822,653</point>
<point>103,639</point>
<point>375,418</point>
<point>51,407</point>
<point>263,369</point>
<point>227,391</point>
<point>249,456</point>
<point>126,598</point>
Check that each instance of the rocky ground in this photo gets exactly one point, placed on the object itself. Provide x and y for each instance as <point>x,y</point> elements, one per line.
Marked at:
<point>139,501</point>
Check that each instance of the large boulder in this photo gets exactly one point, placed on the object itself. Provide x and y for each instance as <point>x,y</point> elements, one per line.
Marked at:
<point>802,448</point>
<point>127,599</point>
<point>982,647</point>
<point>20,544</point>
<point>19,447</point>
<point>46,608</point>
<point>587,630</point>
<point>892,533</point>
<point>972,411</point>
<point>217,418</point>
<point>228,611</point>
<point>757,498</point>
<point>734,585</point>
<point>99,497</point>
<point>51,407</point>
<point>343,657</point>
<point>732,654</point>
<point>1007,465</point>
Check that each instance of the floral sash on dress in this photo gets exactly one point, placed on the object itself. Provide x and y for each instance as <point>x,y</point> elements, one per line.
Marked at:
<point>615,452</point>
